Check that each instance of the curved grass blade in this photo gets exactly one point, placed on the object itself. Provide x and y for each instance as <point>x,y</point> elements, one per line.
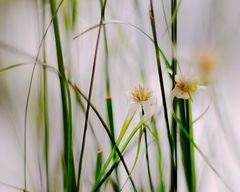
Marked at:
<point>90,95</point>
<point>12,187</point>
<point>167,63</point>
<point>108,93</point>
<point>183,129</point>
<point>77,90</point>
<point>28,96</point>
<point>97,185</point>
<point>136,158</point>
<point>111,156</point>
<point>161,82</point>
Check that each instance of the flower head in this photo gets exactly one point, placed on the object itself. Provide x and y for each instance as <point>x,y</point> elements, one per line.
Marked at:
<point>207,63</point>
<point>142,99</point>
<point>184,87</point>
<point>140,94</point>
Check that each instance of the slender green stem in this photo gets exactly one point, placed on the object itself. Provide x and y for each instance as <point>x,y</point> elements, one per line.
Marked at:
<point>109,172</point>
<point>182,128</point>
<point>147,159</point>
<point>29,91</point>
<point>155,132</point>
<point>99,181</point>
<point>173,186</point>
<point>189,129</point>
<point>45,102</point>
<point>108,133</point>
<point>186,145</point>
<point>111,125</point>
<point>167,63</point>
<point>98,163</point>
<point>108,93</point>
<point>67,111</point>
<point>111,156</point>
<point>152,19</point>
<point>78,91</point>
<point>90,95</point>
<point>136,157</point>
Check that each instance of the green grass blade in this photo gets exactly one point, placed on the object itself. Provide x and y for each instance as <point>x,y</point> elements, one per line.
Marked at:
<point>98,164</point>
<point>78,91</point>
<point>103,171</point>
<point>108,93</point>
<point>161,187</point>
<point>187,152</point>
<point>90,95</point>
<point>112,130</point>
<point>119,22</point>
<point>136,157</point>
<point>29,91</point>
<point>147,159</point>
<point>192,158</point>
<point>80,102</point>
<point>74,13</point>
<point>45,103</point>
<point>111,156</point>
<point>184,131</point>
<point>161,82</point>
<point>174,164</point>
<point>66,108</point>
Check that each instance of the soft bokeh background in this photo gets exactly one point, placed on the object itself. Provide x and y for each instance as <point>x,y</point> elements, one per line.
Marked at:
<point>203,24</point>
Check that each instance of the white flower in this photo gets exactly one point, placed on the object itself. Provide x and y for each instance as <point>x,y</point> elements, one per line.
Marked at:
<point>184,87</point>
<point>141,98</point>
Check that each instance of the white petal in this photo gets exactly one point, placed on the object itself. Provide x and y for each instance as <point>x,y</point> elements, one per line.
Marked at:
<point>178,94</point>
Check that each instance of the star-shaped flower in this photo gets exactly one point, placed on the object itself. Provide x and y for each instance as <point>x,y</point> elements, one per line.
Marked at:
<point>141,98</point>
<point>184,87</point>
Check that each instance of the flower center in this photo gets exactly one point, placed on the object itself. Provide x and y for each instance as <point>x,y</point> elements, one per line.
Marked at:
<point>140,94</point>
<point>187,86</point>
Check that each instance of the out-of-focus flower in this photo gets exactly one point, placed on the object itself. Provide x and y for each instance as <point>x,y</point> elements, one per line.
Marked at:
<point>184,87</point>
<point>207,63</point>
<point>141,98</point>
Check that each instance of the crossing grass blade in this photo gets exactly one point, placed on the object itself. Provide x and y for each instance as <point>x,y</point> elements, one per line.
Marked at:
<point>112,130</point>
<point>30,88</point>
<point>99,182</point>
<point>108,94</point>
<point>189,137</point>
<point>90,95</point>
<point>174,162</point>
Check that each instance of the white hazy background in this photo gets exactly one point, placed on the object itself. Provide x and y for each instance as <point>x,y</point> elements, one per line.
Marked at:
<point>201,24</point>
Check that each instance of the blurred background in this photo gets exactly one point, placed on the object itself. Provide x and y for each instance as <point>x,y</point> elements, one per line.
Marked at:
<point>202,25</point>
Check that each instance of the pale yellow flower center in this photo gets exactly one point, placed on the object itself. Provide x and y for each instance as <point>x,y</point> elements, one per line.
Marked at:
<point>140,94</point>
<point>187,87</point>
